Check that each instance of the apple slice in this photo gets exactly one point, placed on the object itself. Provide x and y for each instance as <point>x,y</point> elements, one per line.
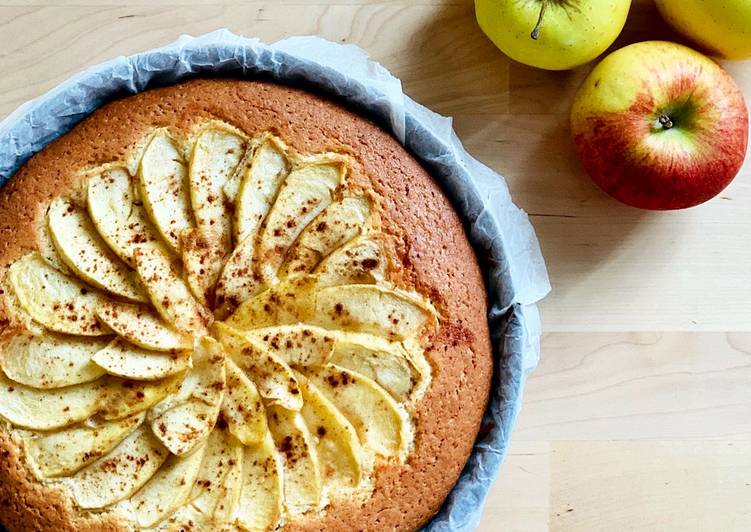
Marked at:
<point>58,302</point>
<point>388,312</point>
<point>242,407</point>
<point>123,359</point>
<point>238,280</point>
<point>47,409</point>
<point>297,345</point>
<point>84,252</point>
<point>163,187</point>
<point>204,256</point>
<point>67,451</point>
<point>288,302</point>
<point>143,327</point>
<point>274,379</point>
<point>339,451</point>
<point>183,420</point>
<point>339,223</point>
<point>261,497</point>
<point>47,250</point>
<point>120,398</point>
<point>121,472</point>
<point>185,519</point>
<point>306,192</point>
<point>51,361</point>
<point>120,221</point>
<point>387,363</point>
<point>217,489</point>
<point>381,424</point>
<point>360,261</point>
<point>169,293</point>
<point>168,489</point>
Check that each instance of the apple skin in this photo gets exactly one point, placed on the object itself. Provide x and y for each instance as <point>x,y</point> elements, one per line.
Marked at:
<point>722,27</point>
<point>572,32</point>
<point>631,155</point>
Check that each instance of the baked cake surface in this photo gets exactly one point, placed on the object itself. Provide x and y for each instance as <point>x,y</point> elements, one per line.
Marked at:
<point>234,305</point>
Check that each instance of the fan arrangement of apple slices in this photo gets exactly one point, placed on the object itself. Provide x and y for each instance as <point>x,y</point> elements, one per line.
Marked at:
<point>212,337</point>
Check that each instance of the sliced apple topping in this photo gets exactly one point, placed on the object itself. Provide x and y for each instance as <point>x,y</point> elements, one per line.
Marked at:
<point>53,299</point>
<point>121,221</point>
<point>339,451</point>
<point>274,379</point>
<point>121,472</point>
<point>51,361</point>
<point>185,419</point>
<point>217,490</point>
<point>302,473</point>
<point>261,495</point>
<point>85,253</point>
<point>339,223</point>
<point>63,453</point>
<point>393,313</point>
<point>124,359</point>
<point>361,261</point>
<point>163,187</point>
<point>169,293</point>
<point>381,424</point>
<point>238,281</point>
<point>288,302</point>
<point>143,327</point>
<point>120,398</point>
<point>242,407</point>
<point>307,191</point>
<point>297,345</point>
<point>168,489</point>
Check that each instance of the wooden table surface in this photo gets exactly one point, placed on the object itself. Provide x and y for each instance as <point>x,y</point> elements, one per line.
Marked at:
<point>639,415</point>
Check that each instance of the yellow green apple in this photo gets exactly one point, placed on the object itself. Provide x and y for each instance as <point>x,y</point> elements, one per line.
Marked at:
<point>552,34</point>
<point>660,126</point>
<point>722,27</point>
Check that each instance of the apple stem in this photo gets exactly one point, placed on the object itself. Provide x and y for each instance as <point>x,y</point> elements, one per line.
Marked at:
<point>536,30</point>
<point>665,121</point>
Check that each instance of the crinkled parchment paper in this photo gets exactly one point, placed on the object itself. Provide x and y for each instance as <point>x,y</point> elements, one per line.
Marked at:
<point>500,232</point>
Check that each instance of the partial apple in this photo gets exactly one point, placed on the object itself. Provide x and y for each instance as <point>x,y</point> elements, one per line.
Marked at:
<point>723,28</point>
<point>660,126</point>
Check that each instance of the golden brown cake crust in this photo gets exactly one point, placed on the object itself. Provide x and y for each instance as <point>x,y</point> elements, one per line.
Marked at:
<point>434,255</point>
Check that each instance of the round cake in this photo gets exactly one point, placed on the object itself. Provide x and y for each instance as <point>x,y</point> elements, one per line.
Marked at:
<point>234,305</point>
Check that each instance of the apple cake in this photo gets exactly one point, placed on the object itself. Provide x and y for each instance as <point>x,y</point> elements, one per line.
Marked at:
<point>234,305</point>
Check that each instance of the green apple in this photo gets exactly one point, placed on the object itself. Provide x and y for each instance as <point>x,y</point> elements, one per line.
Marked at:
<point>552,34</point>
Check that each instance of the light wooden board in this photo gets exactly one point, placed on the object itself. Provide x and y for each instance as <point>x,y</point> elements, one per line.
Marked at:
<point>645,370</point>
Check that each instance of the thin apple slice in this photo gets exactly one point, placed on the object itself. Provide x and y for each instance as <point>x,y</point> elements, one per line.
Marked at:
<point>388,312</point>
<point>307,191</point>
<point>121,472</point>
<point>339,223</point>
<point>84,252</point>
<point>169,293</point>
<point>120,220</point>
<point>238,280</point>
<point>339,451</point>
<point>204,256</point>
<point>168,489</point>
<point>47,250</point>
<point>302,472</point>
<point>120,398</point>
<point>242,407</point>
<point>381,424</point>
<point>360,261</point>
<point>297,345</point>
<point>47,409</point>
<point>123,359</point>
<point>261,497</point>
<point>185,519</point>
<point>274,379</point>
<point>163,186</point>
<point>387,363</point>
<point>183,420</point>
<point>58,302</point>
<point>143,327</point>
<point>67,451</point>
<point>217,489</point>
<point>288,302</point>
<point>52,360</point>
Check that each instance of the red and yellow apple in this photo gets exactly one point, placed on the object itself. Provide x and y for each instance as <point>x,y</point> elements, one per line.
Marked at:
<point>660,126</point>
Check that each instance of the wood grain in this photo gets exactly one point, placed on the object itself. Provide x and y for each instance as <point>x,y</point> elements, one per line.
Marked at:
<point>639,416</point>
